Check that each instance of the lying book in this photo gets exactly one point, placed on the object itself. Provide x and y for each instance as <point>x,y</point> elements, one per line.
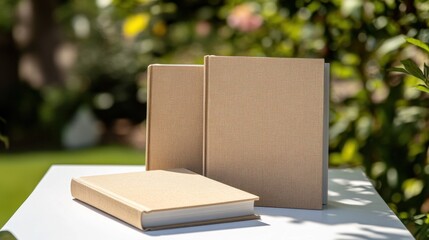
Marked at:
<point>174,121</point>
<point>162,199</point>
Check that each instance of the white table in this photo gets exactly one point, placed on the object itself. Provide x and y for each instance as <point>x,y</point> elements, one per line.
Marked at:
<point>354,211</point>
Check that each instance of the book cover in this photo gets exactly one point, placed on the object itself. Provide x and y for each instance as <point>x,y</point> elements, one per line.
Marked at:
<point>160,199</point>
<point>264,128</point>
<point>174,129</point>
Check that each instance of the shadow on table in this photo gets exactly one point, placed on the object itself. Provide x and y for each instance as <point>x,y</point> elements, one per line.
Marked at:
<point>352,200</point>
<point>363,236</point>
<point>182,230</point>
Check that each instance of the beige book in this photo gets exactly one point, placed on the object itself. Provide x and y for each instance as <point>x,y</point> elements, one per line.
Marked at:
<point>161,199</point>
<point>174,130</point>
<point>264,128</point>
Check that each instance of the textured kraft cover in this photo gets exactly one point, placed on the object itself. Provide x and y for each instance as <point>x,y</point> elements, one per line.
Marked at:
<point>127,195</point>
<point>174,130</point>
<point>264,128</point>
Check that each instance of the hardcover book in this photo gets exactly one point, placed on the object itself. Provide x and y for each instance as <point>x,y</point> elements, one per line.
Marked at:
<point>174,130</point>
<point>265,128</point>
<point>162,199</point>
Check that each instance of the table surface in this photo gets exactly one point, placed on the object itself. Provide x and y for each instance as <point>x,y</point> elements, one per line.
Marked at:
<point>354,211</point>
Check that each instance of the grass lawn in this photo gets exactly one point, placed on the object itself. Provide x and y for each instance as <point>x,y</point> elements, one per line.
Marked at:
<point>20,172</point>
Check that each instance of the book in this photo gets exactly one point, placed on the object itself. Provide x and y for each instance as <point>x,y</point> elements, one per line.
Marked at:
<point>174,129</point>
<point>160,199</point>
<point>265,128</point>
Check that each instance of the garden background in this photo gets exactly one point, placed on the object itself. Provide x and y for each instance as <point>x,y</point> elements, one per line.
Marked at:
<point>67,65</point>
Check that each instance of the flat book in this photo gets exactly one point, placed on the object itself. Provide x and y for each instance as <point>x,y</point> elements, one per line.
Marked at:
<point>174,129</point>
<point>265,128</point>
<point>160,199</point>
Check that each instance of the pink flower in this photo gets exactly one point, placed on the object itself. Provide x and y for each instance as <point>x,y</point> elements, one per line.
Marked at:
<point>244,18</point>
<point>203,28</point>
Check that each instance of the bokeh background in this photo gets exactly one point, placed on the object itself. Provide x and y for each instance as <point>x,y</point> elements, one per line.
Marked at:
<point>73,81</point>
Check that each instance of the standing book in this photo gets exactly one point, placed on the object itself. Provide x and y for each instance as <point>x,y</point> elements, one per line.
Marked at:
<point>160,199</point>
<point>174,130</point>
<point>265,128</point>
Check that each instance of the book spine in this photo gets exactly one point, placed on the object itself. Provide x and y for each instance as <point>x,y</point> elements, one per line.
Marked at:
<point>106,202</point>
<point>326,132</point>
<point>148,116</point>
<point>205,112</point>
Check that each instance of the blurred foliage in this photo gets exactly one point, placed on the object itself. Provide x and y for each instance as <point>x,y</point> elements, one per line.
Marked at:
<point>3,138</point>
<point>6,235</point>
<point>422,223</point>
<point>377,121</point>
<point>414,187</point>
<point>6,14</point>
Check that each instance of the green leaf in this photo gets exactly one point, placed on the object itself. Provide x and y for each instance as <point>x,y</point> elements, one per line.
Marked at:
<point>426,71</point>
<point>421,232</point>
<point>413,69</point>
<point>5,141</point>
<point>423,88</point>
<point>419,216</point>
<point>418,43</point>
<point>396,69</point>
<point>6,235</point>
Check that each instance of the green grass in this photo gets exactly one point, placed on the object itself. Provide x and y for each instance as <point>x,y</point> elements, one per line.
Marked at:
<point>20,172</point>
